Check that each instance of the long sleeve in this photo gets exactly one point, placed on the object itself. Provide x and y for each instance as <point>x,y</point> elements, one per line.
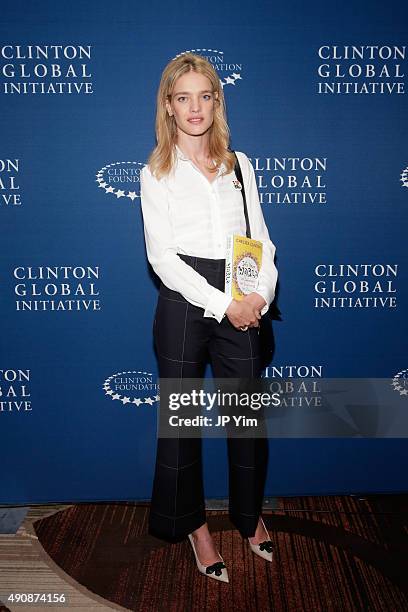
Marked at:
<point>268,275</point>
<point>161,250</point>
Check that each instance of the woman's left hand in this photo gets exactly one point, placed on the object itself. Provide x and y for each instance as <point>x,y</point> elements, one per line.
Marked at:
<point>256,301</point>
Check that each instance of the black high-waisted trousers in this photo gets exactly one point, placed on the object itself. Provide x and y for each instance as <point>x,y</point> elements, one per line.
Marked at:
<point>184,340</point>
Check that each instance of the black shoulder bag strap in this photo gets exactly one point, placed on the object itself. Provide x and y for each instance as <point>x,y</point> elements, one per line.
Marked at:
<point>237,170</point>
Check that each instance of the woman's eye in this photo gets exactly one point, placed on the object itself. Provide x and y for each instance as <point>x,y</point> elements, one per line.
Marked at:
<point>184,98</point>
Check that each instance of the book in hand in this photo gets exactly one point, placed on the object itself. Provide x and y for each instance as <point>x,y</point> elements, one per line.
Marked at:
<point>242,265</point>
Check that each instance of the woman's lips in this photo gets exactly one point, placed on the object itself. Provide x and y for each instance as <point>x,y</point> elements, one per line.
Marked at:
<point>195,120</point>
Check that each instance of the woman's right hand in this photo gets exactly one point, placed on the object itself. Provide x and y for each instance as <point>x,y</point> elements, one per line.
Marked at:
<point>243,314</point>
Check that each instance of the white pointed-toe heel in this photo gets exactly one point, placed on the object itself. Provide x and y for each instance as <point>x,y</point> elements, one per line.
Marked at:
<point>263,549</point>
<point>217,570</point>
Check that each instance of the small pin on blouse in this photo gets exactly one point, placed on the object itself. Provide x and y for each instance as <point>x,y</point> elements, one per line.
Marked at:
<point>237,184</point>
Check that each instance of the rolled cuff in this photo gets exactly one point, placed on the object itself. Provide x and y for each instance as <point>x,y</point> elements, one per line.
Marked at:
<point>217,305</point>
<point>265,295</point>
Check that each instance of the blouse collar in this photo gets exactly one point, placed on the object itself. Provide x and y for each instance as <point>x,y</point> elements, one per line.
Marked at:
<point>181,155</point>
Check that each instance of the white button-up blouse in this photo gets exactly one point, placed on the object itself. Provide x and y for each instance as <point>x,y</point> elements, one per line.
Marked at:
<point>184,212</point>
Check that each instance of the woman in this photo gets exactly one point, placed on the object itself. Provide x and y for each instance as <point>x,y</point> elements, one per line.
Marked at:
<point>189,204</point>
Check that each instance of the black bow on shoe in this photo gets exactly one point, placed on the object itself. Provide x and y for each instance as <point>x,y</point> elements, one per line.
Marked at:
<point>266,545</point>
<point>215,568</point>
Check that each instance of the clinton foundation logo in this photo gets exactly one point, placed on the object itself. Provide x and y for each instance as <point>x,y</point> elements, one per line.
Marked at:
<point>404,177</point>
<point>229,71</point>
<point>45,69</point>
<point>361,69</point>
<point>121,180</point>
<point>400,382</point>
<point>132,387</point>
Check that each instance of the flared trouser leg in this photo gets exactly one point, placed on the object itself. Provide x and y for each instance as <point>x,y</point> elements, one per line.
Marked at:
<point>177,503</point>
<point>236,355</point>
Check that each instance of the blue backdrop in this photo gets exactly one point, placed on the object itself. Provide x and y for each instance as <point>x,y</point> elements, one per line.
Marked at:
<point>316,97</point>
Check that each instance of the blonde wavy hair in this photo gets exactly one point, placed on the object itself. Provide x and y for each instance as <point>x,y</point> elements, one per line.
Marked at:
<point>163,156</point>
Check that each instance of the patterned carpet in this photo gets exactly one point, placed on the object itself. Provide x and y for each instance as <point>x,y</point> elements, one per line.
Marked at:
<point>331,554</point>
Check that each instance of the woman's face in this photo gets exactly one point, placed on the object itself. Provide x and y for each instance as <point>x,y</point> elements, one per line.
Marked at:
<point>192,103</point>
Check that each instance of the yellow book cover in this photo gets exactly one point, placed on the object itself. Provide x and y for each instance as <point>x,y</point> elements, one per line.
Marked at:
<point>242,265</point>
